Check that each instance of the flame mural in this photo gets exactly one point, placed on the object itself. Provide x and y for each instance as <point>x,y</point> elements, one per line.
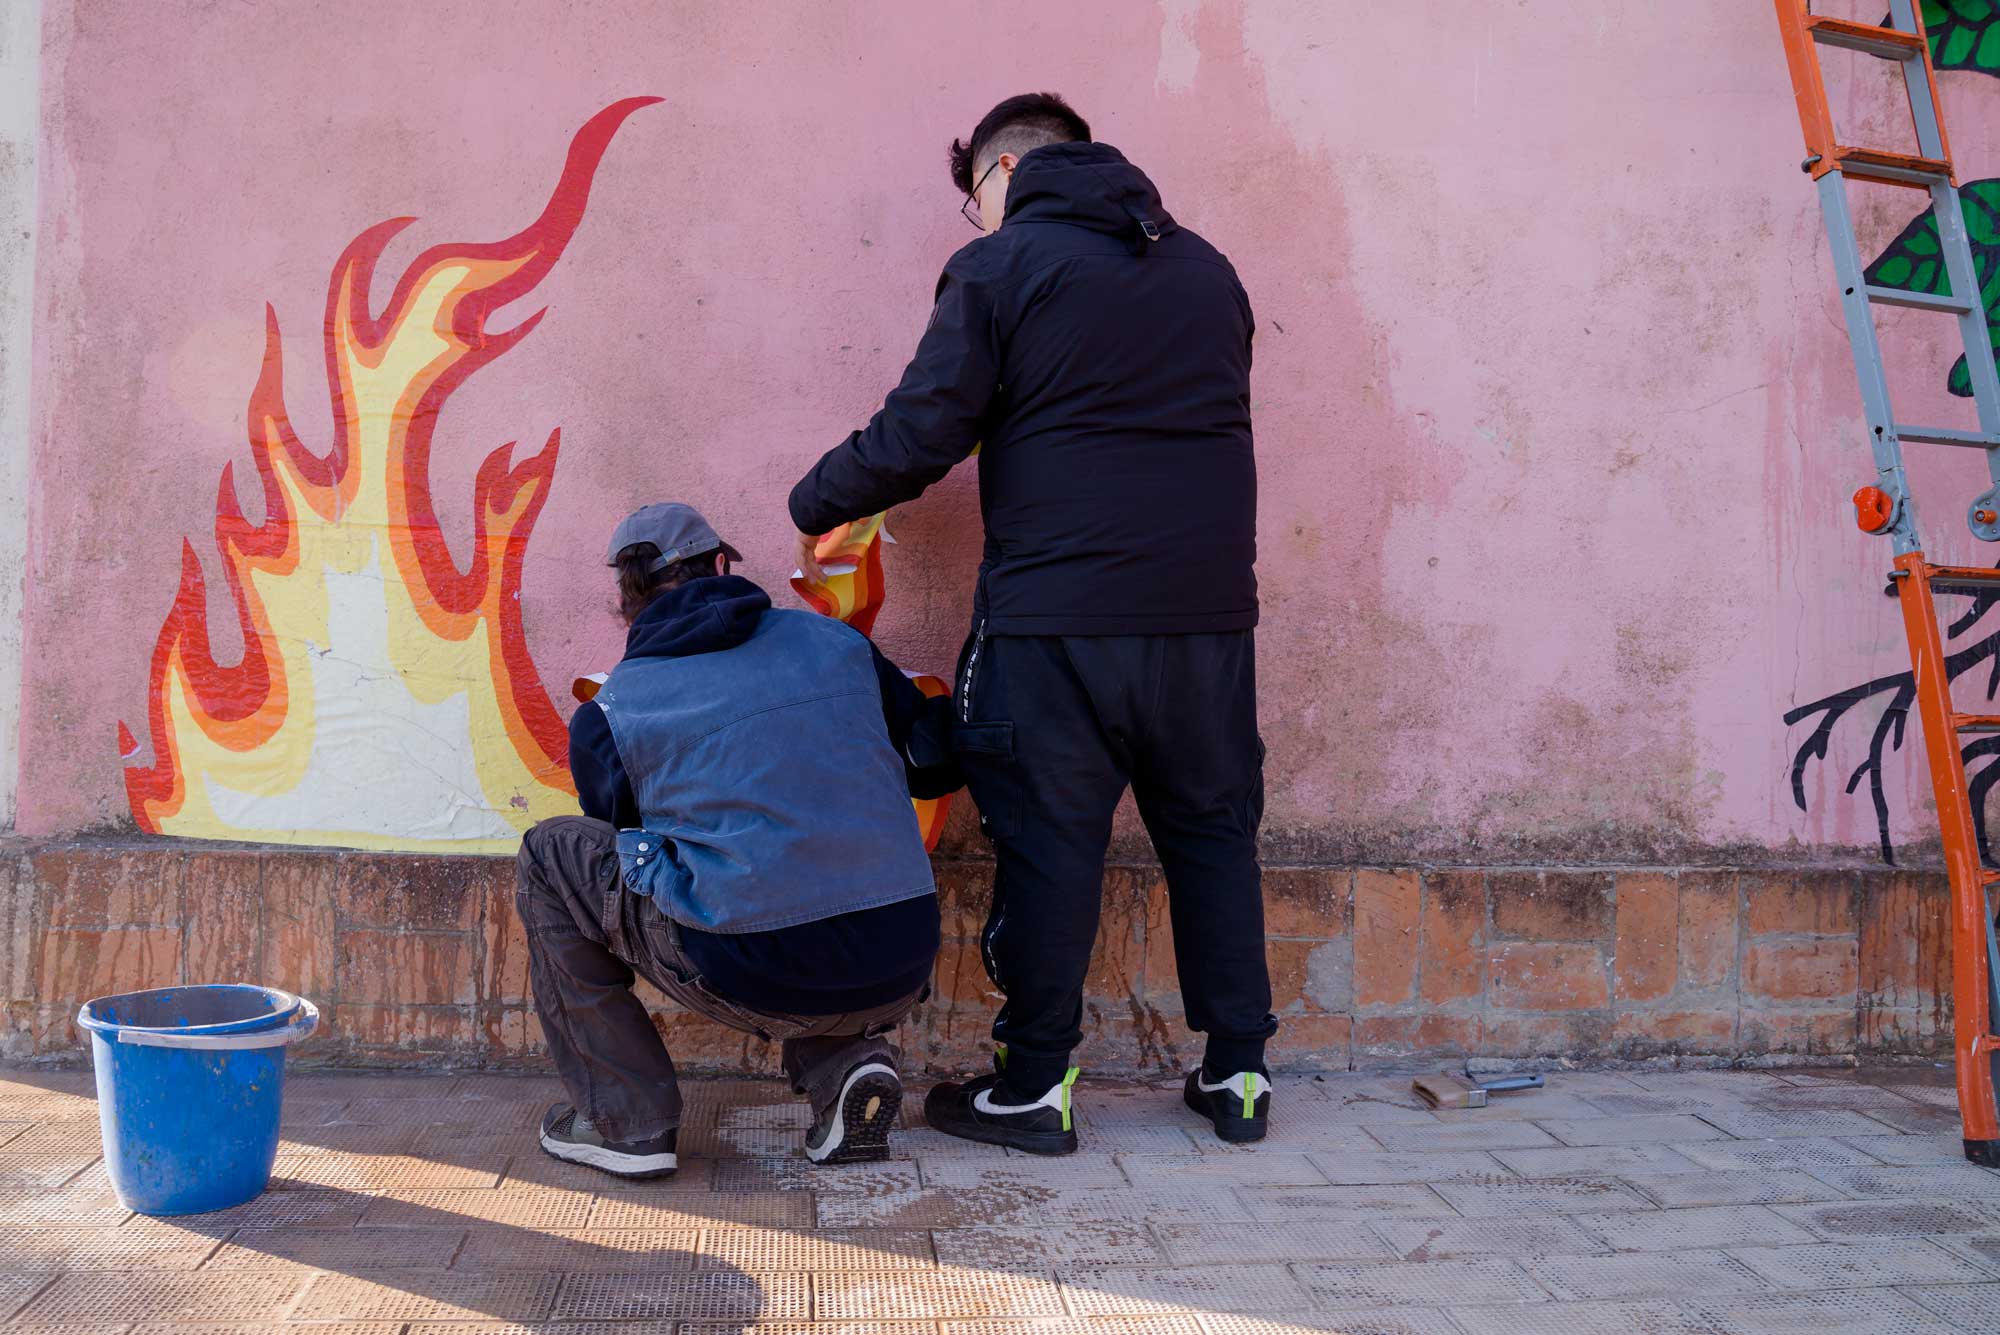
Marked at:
<point>385,698</point>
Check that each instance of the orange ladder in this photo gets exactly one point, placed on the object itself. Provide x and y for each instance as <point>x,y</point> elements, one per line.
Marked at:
<point>1884,506</point>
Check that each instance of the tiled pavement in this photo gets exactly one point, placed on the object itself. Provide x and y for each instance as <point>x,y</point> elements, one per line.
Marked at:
<point>1642,1203</point>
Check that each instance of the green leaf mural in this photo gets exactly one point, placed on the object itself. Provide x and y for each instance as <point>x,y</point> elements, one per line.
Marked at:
<point>1912,259</point>
<point>1965,34</point>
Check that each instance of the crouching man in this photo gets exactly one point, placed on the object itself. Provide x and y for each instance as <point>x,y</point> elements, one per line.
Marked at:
<point>748,847</point>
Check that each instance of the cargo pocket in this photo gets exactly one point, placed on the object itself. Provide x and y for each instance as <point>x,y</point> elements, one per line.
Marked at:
<point>985,754</point>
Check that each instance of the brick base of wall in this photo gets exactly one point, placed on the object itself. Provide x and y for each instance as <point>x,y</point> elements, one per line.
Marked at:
<point>420,960</point>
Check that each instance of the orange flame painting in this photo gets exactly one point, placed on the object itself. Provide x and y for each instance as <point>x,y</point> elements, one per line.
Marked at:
<point>385,698</point>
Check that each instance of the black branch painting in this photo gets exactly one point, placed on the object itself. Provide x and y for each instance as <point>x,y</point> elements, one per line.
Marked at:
<point>1900,692</point>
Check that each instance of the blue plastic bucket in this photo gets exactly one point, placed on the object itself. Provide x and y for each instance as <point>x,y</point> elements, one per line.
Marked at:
<point>190,1083</point>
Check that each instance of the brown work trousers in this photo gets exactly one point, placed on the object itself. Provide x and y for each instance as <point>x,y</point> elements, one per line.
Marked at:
<point>588,936</point>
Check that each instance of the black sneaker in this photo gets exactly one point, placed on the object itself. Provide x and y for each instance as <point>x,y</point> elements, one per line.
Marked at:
<point>1240,1106</point>
<point>984,1110</point>
<point>856,1128</point>
<point>569,1136</point>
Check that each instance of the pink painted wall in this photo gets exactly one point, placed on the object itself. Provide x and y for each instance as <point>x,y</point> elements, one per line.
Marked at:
<point>1555,420</point>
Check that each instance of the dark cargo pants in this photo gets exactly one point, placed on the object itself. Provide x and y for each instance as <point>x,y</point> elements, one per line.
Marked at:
<point>1050,731</point>
<point>588,936</point>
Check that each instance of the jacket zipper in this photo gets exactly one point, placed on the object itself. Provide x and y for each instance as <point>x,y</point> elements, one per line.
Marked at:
<point>971,662</point>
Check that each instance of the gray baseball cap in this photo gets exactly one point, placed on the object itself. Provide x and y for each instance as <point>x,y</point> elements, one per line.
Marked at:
<point>677,530</point>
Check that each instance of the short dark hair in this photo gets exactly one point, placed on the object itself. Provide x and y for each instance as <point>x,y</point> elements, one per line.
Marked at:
<point>639,583</point>
<point>1015,126</point>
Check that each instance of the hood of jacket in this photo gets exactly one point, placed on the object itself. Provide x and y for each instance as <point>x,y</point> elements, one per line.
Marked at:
<point>702,616</point>
<point>1090,186</point>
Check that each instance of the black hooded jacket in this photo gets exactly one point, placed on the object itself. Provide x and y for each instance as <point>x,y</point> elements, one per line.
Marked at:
<point>855,961</point>
<point>1102,354</point>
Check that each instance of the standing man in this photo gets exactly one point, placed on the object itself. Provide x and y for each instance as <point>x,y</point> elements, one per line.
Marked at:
<point>1101,352</point>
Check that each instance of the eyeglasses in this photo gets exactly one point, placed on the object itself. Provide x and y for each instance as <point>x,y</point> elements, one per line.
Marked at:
<point>966,207</point>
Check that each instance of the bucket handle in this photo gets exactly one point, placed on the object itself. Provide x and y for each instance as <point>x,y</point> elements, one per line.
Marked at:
<point>307,1021</point>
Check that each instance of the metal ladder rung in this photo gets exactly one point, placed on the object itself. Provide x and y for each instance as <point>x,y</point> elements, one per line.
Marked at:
<point>1963,579</point>
<point>1918,301</point>
<point>1887,168</point>
<point>1889,43</point>
<point>1940,435</point>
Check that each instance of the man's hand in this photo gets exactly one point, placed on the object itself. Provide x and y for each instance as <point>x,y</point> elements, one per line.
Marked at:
<point>805,556</point>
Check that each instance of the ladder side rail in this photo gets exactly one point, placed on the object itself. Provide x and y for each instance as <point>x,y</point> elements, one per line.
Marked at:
<point>1979,1109</point>
<point>1932,140</point>
<point>1808,87</point>
<point>1867,350</point>
<point>1955,247</point>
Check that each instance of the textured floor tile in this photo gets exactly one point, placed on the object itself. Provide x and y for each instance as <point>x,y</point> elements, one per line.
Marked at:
<point>1072,1170</point>
<point>271,1328</point>
<point>536,1171</point>
<point>1040,1250</point>
<point>1643,1275</point>
<point>626,1252</point>
<point>85,1139</point>
<point>1947,1148</point>
<point>715,1296</point>
<point>1289,1134</point>
<point>1543,1196</point>
<point>1871,1264</point>
<point>1223,1170</point>
<point>1948,1182</point>
<point>1966,1306</point>
<point>1645,1318</point>
<point>1659,1129</point>
<point>783,1328</point>
<point>1658,1103</point>
<point>870,1179</point>
<point>1432,1239</point>
<point>16,1290</point>
<point>40,1249</point>
<point>1798,1152</point>
<point>1916,1119</point>
<point>142,1297</point>
<point>498,1114</point>
<point>1752,1124</point>
<point>945,1207</point>
<point>560,1210</point>
<point>822,1249</point>
<point>305,1113</point>
<point>1700,1226</point>
<point>1981,1249</point>
<point>1595,1161</point>
<point>1193,1205</point>
<point>425,1296</point>
<point>378,1172</point>
<point>1381,1166</point>
<point>1235,1288</point>
<point>41,1171</point>
<point>289,1209</point>
<point>1136,1138</point>
<point>1726,1081</point>
<point>343,1249</point>
<point>1889,1219</point>
<point>1248,1244</point>
<point>919,1295</point>
<point>1463,1136</point>
<point>716,1209</point>
<point>1359,1111</point>
<point>356,1140</point>
<point>1399,1321</point>
<point>1408,1199</point>
<point>1744,1186</point>
<point>1846,1312</point>
<point>1424,1283</point>
<point>1078,1325</point>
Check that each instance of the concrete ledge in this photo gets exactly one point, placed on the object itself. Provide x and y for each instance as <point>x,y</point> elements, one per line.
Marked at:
<point>420,960</point>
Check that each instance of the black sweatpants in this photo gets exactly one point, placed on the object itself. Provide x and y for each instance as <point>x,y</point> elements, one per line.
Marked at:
<point>1050,731</point>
